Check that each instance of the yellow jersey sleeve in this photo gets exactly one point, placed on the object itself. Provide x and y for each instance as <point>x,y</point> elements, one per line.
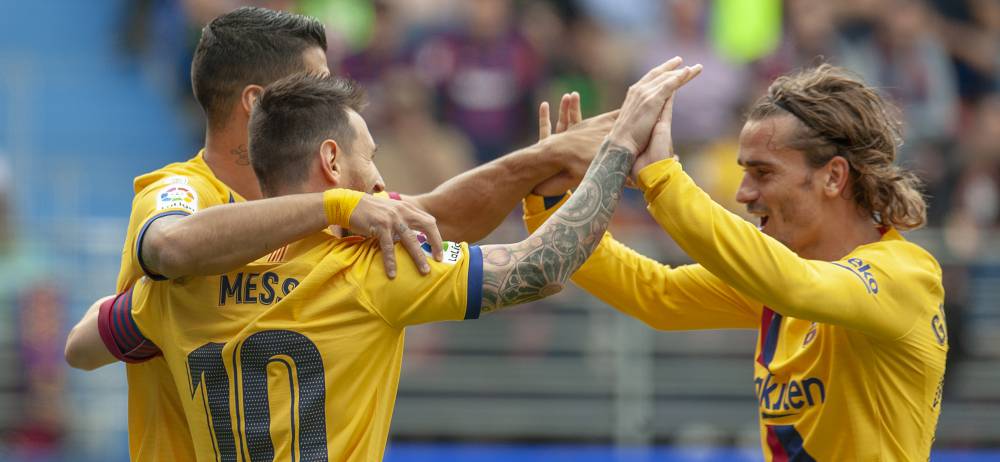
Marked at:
<point>173,195</point>
<point>452,290</point>
<point>683,298</point>
<point>878,290</point>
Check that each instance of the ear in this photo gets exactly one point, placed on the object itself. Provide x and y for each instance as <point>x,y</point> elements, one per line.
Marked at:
<point>838,174</point>
<point>330,156</point>
<point>248,98</point>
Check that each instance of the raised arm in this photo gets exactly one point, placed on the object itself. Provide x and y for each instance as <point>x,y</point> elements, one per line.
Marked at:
<point>471,205</point>
<point>540,265</point>
<point>880,290</point>
<point>666,298</point>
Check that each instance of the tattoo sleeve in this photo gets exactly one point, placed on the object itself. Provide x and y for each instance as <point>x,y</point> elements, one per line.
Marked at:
<point>540,265</point>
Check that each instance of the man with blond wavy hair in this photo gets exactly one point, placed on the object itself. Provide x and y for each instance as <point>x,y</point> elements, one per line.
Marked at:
<point>852,338</point>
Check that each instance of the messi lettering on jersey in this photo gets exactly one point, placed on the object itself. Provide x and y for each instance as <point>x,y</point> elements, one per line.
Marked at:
<point>780,399</point>
<point>264,288</point>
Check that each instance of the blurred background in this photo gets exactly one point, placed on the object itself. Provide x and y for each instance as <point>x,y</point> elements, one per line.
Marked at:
<point>93,93</point>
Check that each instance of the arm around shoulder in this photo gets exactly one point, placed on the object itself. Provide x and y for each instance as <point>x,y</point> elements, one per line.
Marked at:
<point>84,348</point>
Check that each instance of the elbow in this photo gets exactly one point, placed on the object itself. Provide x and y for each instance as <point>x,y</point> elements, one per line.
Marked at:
<point>74,354</point>
<point>164,254</point>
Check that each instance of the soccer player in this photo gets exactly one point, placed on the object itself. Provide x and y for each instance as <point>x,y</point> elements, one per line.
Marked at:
<point>297,355</point>
<point>182,223</point>
<point>852,338</point>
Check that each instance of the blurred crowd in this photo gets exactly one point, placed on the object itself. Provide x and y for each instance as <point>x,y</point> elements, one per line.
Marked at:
<point>455,83</point>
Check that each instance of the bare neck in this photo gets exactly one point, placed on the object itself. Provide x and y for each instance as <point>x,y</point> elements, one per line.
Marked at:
<point>227,155</point>
<point>839,236</point>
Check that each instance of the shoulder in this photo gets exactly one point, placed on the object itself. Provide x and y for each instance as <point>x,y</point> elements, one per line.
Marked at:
<point>899,254</point>
<point>188,174</point>
<point>902,263</point>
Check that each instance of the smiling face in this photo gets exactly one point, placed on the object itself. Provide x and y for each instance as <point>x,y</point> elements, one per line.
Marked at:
<point>778,184</point>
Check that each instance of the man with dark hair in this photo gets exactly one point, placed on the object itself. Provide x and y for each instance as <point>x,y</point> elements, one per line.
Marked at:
<point>200,217</point>
<point>249,46</point>
<point>852,336</point>
<point>322,308</point>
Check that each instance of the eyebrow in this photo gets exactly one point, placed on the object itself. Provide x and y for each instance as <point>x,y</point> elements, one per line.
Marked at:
<point>755,163</point>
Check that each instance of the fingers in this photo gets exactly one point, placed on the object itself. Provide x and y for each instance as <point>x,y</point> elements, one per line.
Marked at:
<point>655,72</point>
<point>670,81</point>
<point>576,112</point>
<point>544,124</point>
<point>384,234</point>
<point>409,240</point>
<point>564,108</point>
<point>430,230</point>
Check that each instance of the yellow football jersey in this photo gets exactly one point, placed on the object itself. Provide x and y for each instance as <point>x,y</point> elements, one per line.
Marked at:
<point>851,354</point>
<point>296,356</point>
<point>157,427</point>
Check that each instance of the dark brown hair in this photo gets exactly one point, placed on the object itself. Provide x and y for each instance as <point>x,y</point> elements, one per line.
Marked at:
<point>841,116</point>
<point>247,46</point>
<point>292,117</point>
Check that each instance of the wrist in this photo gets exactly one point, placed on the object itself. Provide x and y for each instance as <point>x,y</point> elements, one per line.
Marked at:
<point>339,204</point>
<point>623,142</point>
<point>547,156</point>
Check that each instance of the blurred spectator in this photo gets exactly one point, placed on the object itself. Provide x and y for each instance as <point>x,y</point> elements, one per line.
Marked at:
<point>708,102</point>
<point>811,38</point>
<point>975,208</point>
<point>906,60</point>
<point>31,310</point>
<point>484,72</point>
<point>970,30</point>
<point>349,24</point>
<point>416,152</point>
<point>595,64</point>
<point>41,421</point>
<point>384,51</point>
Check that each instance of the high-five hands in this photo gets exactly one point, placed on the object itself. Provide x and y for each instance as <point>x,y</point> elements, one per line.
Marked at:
<point>645,103</point>
<point>572,144</point>
<point>660,142</point>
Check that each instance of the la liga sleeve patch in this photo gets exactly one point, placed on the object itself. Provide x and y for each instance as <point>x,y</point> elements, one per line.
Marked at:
<point>177,196</point>
<point>453,251</point>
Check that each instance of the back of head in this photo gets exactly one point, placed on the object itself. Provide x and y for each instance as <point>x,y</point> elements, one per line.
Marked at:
<point>292,118</point>
<point>246,46</point>
<point>841,116</point>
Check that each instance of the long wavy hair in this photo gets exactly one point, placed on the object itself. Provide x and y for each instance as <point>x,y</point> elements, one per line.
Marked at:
<point>841,116</point>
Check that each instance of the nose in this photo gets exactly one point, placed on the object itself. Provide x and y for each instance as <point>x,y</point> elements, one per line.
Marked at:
<point>379,184</point>
<point>748,192</point>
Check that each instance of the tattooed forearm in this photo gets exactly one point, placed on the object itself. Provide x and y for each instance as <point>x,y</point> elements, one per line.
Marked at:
<point>540,265</point>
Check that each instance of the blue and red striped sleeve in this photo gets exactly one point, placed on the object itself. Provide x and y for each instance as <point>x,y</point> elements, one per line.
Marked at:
<point>120,333</point>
